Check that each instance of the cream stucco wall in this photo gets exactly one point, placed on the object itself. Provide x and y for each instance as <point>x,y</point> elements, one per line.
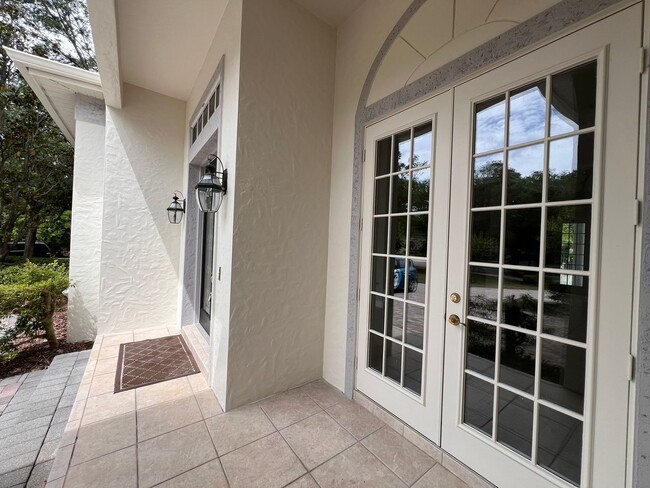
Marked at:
<point>226,45</point>
<point>87,212</point>
<point>143,159</point>
<point>439,31</point>
<point>281,198</point>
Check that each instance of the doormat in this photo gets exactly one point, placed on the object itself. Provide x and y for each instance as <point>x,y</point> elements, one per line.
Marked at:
<point>151,361</point>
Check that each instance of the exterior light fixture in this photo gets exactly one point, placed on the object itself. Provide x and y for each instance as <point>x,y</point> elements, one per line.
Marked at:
<point>176,209</point>
<point>212,187</point>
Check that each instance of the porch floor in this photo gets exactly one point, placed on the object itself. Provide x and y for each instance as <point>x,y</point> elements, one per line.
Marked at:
<point>175,434</point>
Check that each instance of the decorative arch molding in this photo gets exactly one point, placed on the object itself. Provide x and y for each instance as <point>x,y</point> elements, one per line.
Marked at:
<point>512,43</point>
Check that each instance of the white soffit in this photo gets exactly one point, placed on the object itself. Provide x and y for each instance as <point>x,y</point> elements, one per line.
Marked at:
<point>56,85</point>
<point>332,12</point>
<point>163,43</point>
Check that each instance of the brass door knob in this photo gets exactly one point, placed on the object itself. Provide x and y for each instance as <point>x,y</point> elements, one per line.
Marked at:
<point>454,319</point>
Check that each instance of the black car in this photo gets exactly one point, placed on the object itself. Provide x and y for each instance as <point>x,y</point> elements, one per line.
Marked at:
<point>41,250</point>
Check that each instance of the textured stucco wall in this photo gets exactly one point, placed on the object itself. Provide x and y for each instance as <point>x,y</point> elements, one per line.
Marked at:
<point>225,47</point>
<point>140,248</point>
<point>87,211</point>
<point>281,198</point>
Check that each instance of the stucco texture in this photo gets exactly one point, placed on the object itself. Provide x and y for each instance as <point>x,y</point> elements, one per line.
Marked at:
<point>140,248</point>
<point>281,196</point>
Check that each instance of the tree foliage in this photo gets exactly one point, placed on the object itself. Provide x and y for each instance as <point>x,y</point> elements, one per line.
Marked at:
<point>35,158</point>
<point>31,293</point>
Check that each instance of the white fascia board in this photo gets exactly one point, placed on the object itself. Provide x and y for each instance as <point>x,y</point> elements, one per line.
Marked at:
<point>34,68</point>
<point>103,25</point>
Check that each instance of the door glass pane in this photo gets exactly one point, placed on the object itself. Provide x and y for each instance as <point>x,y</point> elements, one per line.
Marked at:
<point>414,325</point>
<point>395,317</point>
<point>486,235</point>
<point>571,166</point>
<point>479,399</point>
<point>563,375</point>
<point>560,444</point>
<point>413,370</point>
<point>573,102</point>
<point>515,422</point>
<point>488,174</point>
<point>400,242</point>
<point>393,352</point>
<point>402,156</point>
<point>525,174</point>
<point>206,271</point>
<point>517,364</point>
<point>420,184</point>
<point>566,301</point>
<point>483,292</point>
<point>519,298</point>
<point>422,145</point>
<point>481,348</point>
<point>568,232</point>
<point>527,114</point>
<point>490,124</point>
<point>534,244</point>
<point>522,236</point>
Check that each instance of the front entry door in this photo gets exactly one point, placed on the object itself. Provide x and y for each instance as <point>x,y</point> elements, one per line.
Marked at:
<point>207,256</point>
<point>522,276</point>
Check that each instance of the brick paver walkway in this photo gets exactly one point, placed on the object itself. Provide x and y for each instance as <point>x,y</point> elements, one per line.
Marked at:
<point>34,410</point>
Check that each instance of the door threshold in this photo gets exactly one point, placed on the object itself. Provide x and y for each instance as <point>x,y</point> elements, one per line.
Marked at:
<point>199,345</point>
<point>471,478</point>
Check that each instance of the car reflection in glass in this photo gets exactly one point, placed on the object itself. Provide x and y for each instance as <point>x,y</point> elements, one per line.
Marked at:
<point>399,277</point>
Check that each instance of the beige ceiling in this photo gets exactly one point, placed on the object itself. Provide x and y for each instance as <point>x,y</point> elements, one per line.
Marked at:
<point>153,55</point>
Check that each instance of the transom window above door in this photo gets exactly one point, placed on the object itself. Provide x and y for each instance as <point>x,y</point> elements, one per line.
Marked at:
<point>210,108</point>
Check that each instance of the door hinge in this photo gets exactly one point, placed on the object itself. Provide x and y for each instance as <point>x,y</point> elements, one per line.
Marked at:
<point>361,224</point>
<point>364,154</point>
<point>358,294</point>
<point>356,362</point>
<point>644,62</point>
<point>639,212</point>
<point>631,363</point>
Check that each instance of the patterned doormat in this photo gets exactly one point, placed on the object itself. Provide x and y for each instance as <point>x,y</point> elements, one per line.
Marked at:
<point>152,361</point>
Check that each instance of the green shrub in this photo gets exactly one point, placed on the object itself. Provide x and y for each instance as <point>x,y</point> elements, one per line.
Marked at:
<point>33,293</point>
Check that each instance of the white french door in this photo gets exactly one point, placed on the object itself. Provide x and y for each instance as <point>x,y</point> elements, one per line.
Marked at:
<point>406,177</point>
<point>529,263</point>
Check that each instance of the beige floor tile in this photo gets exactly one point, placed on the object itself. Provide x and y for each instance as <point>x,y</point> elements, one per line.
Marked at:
<point>107,406</point>
<point>207,475</point>
<point>118,470</point>
<point>165,417</point>
<point>468,476</point>
<point>403,458</point>
<point>289,407</point>
<point>166,391</point>
<point>102,384</point>
<point>142,335</point>
<point>106,366</point>
<point>317,439</point>
<point>324,394</point>
<point>266,463</point>
<point>239,427</point>
<point>171,454</point>
<point>117,339</point>
<point>198,382</point>
<point>356,419</point>
<point>353,468</point>
<point>107,352</point>
<point>208,403</point>
<point>439,477</point>
<point>305,482</point>
<point>100,438</point>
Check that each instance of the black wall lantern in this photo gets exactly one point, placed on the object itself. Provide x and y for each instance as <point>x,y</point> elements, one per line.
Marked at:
<point>213,185</point>
<point>176,209</point>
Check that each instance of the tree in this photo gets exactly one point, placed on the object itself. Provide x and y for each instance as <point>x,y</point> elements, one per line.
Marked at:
<point>35,159</point>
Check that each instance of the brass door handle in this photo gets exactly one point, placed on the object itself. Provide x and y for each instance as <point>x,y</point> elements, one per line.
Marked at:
<point>454,320</point>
